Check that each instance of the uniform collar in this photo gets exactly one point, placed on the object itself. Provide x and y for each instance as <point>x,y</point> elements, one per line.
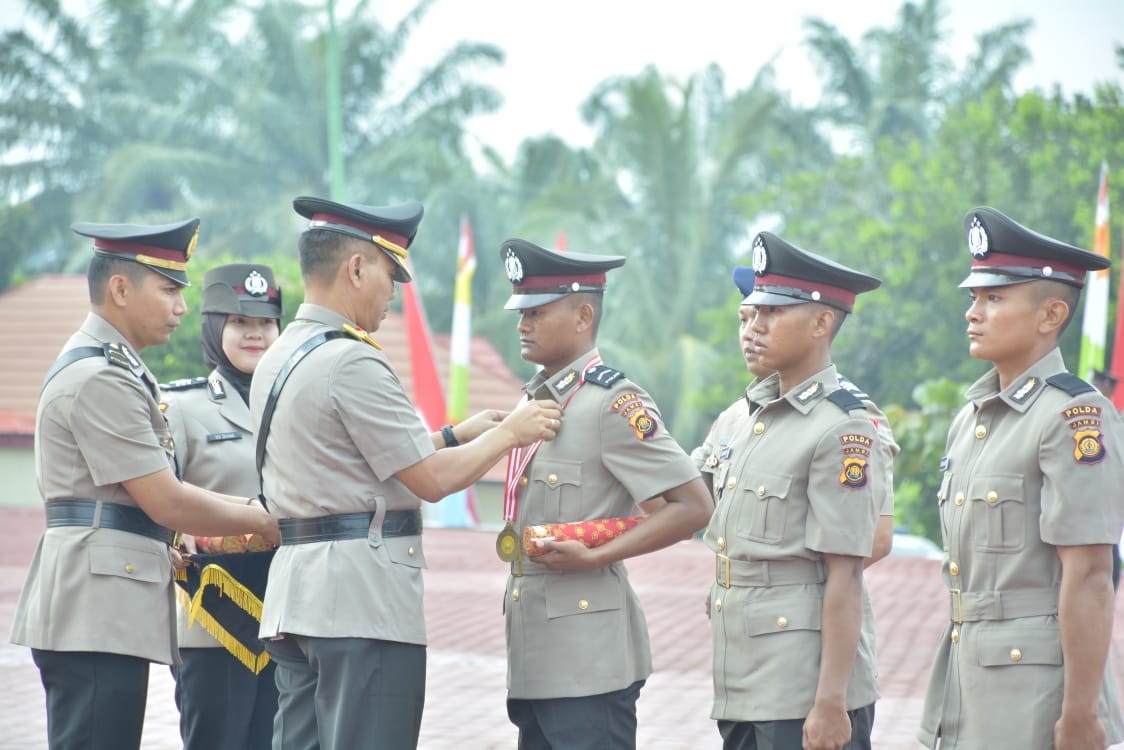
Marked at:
<point>562,383</point>
<point>805,396</point>
<point>322,315</point>
<point>230,404</point>
<point>1024,390</point>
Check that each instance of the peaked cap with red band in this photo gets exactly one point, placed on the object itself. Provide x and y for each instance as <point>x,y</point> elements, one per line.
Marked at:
<point>784,274</point>
<point>247,289</point>
<point>539,276</point>
<point>165,248</point>
<point>390,228</point>
<point>1005,252</point>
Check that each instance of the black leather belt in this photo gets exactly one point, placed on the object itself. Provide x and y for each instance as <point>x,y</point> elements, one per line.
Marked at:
<point>112,516</point>
<point>348,526</point>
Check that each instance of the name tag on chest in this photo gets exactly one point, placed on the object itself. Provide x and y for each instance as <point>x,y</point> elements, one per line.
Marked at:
<point>218,437</point>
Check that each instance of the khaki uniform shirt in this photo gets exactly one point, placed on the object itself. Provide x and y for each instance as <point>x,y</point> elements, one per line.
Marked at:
<point>342,429</point>
<point>1025,469</point>
<point>793,477</point>
<point>579,633</point>
<point>98,424</point>
<point>215,450</point>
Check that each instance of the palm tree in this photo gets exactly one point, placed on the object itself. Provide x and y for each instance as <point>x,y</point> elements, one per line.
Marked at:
<point>897,83</point>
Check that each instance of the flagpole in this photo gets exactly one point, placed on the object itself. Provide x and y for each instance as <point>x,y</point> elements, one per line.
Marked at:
<point>1094,324</point>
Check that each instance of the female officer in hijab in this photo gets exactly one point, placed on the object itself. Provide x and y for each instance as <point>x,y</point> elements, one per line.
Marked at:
<point>224,687</point>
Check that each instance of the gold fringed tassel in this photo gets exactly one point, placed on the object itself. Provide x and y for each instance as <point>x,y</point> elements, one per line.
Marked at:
<point>231,588</point>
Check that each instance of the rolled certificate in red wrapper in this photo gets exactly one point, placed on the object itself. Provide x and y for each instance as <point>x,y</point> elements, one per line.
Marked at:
<point>591,533</point>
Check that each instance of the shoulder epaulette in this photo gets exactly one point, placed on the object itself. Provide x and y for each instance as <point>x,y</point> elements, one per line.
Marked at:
<point>117,353</point>
<point>1070,383</point>
<point>845,400</point>
<point>360,335</point>
<point>603,376</point>
<point>183,384</point>
<point>859,392</point>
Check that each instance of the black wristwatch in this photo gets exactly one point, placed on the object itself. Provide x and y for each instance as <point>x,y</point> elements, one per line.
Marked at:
<point>450,438</point>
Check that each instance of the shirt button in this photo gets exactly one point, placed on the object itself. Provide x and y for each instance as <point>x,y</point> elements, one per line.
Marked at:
<point>515,595</point>
<point>782,622</point>
<point>993,497</point>
<point>761,491</point>
<point>721,542</point>
<point>522,481</point>
<point>959,498</point>
<point>717,605</point>
<point>129,568</point>
<point>1016,655</point>
<point>953,569</point>
<point>552,478</point>
<point>410,552</point>
<point>583,604</point>
<point>955,637</point>
<point>731,483</point>
<point>758,428</point>
<point>981,431</point>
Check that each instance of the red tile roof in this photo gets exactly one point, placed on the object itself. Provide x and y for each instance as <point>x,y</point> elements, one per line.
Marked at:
<point>38,317</point>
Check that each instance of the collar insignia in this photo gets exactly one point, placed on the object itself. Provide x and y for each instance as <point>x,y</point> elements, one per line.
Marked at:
<point>809,393</point>
<point>563,383</point>
<point>214,385</point>
<point>1029,386</point>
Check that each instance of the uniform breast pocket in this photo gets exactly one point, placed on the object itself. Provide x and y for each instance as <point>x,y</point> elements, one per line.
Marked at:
<point>998,513</point>
<point>558,483</point>
<point>765,507</point>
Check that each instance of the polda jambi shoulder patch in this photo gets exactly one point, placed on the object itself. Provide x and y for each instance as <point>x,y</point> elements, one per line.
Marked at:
<point>856,455</point>
<point>1088,440</point>
<point>642,421</point>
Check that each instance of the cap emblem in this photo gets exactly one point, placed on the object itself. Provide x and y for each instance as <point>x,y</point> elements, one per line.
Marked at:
<point>977,238</point>
<point>255,284</point>
<point>513,266</point>
<point>760,257</point>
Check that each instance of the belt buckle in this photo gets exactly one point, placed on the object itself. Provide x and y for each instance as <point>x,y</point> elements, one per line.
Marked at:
<point>957,606</point>
<point>722,571</point>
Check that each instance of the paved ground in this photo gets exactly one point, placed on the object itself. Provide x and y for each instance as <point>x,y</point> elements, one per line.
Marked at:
<point>465,700</point>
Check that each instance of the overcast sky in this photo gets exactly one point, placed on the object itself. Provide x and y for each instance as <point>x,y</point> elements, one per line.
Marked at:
<point>558,52</point>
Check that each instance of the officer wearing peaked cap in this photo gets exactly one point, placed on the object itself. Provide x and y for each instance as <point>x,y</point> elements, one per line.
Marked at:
<point>97,604</point>
<point>797,471</point>
<point>720,450</point>
<point>577,644</point>
<point>345,463</point>
<point>227,699</point>
<point>1030,507</point>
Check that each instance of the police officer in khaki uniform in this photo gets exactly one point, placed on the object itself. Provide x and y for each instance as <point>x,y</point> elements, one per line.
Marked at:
<point>224,705</point>
<point>1030,507</point>
<point>577,642</point>
<point>715,454</point>
<point>97,604</point>
<point>798,476</point>
<point>346,462</point>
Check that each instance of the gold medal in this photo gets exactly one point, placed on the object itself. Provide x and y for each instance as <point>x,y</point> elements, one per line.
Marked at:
<point>507,544</point>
